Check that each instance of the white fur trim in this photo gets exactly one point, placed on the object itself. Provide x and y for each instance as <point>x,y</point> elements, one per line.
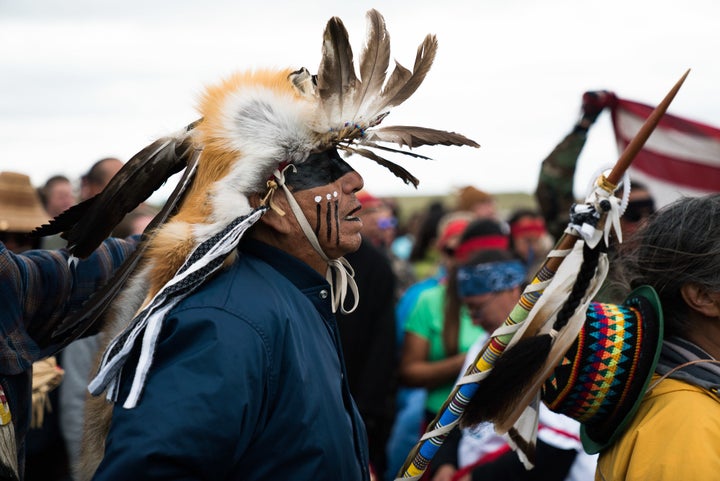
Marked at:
<point>265,127</point>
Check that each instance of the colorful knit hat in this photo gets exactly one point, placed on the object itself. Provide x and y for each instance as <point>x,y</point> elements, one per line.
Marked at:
<point>602,378</point>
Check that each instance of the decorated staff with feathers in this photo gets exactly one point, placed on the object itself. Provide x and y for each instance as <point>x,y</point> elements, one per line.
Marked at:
<point>223,355</point>
<point>591,362</point>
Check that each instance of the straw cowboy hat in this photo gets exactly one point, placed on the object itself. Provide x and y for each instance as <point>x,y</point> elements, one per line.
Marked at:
<point>21,210</point>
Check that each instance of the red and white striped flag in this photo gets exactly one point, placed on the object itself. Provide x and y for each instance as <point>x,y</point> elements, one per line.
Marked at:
<point>681,157</point>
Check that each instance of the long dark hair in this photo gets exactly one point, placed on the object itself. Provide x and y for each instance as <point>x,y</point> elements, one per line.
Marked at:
<point>678,245</point>
<point>427,231</point>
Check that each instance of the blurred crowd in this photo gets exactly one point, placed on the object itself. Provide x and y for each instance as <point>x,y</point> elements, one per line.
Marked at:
<point>59,383</point>
<point>432,284</point>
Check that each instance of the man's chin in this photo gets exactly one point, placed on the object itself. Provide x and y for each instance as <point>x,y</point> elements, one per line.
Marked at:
<point>355,245</point>
<point>352,244</point>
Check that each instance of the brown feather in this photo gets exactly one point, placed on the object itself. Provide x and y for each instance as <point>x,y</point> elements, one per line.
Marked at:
<point>423,61</point>
<point>391,166</point>
<point>373,145</point>
<point>374,61</point>
<point>528,447</point>
<point>74,326</point>
<point>398,78</point>
<point>336,74</point>
<point>416,136</point>
<point>65,220</point>
<point>142,175</point>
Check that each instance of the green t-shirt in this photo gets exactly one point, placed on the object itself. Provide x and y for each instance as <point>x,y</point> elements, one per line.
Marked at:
<point>426,321</point>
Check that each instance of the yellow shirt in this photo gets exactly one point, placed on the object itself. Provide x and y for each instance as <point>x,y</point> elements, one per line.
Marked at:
<point>675,435</point>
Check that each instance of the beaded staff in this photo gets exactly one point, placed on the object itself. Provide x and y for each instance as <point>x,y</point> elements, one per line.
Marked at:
<point>452,410</point>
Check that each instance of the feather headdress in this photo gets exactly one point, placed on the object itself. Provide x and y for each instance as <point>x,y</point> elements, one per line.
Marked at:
<point>250,124</point>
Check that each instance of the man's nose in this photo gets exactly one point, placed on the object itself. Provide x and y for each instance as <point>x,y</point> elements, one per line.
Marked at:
<point>352,182</point>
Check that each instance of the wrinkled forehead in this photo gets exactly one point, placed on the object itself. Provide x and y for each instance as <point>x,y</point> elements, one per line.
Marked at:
<point>318,169</point>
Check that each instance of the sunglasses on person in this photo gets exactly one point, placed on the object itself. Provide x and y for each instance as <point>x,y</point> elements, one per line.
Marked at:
<point>387,223</point>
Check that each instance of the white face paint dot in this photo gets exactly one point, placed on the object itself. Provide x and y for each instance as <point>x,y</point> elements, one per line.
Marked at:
<point>329,197</point>
<point>318,198</point>
<point>335,194</point>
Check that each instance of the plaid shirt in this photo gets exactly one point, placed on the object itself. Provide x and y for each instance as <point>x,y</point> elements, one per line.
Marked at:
<point>37,290</point>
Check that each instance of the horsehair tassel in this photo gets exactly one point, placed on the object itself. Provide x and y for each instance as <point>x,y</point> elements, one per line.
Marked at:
<point>523,360</point>
<point>453,408</point>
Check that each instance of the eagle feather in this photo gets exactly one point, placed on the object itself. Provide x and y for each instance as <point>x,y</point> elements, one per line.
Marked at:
<point>416,136</point>
<point>336,75</point>
<point>374,62</point>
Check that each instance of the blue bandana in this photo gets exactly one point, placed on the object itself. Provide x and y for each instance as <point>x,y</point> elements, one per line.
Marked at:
<point>491,277</point>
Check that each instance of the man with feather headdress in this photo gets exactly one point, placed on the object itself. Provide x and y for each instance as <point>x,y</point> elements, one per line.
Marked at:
<point>248,380</point>
<point>223,359</point>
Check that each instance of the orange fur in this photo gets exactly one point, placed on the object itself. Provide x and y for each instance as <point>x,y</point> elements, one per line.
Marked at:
<point>218,156</point>
<point>213,166</point>
<point>172,244</point>
<point>214,98</point>
<point>96,425</point>
<point>168,250</point>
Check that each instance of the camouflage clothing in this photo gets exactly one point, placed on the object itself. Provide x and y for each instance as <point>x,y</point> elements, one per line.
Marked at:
<point>555,185</point>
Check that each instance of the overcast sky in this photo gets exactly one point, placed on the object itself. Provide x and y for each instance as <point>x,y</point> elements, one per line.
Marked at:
<point>85,79</point>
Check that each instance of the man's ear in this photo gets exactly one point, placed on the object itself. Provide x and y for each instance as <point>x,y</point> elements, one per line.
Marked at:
<point>279,223</point>
<point>699,299</point>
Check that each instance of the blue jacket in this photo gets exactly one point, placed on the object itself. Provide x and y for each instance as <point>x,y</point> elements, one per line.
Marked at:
<point>247,383</point>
